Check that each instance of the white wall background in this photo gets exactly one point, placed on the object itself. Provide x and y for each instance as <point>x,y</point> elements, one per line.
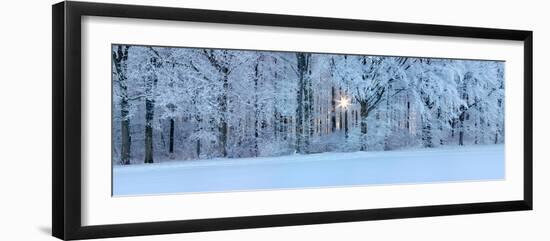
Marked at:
<point>25,119</point>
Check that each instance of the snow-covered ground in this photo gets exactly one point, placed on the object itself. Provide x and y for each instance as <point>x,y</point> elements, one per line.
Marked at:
<point>314,170</point>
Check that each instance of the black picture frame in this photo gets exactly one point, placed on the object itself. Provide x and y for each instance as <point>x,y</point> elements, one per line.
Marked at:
<point>67,136</point>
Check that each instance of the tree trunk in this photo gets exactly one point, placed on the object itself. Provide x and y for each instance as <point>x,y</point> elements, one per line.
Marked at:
<point>126,142</point>
<point>223,108</point>
<point>461,127</point>
<point>198,150</point>
<point>304,108</point>
<point>149,115</point>
<point>340,121</point>
<point>223,69</point>
<point>346,123</point>
<point>171,141</point>
<point>357,121</point>
<point>333,110</point>
<point>120,56</point>
<point>309,118</point>
<point>463,110</point>
<point>408,124</point>
<point>198,128</point>
<point>150,111</point>
<point>427,134</point>
<point>363,113</point>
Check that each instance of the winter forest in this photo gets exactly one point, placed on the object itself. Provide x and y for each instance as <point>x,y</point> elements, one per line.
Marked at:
<point>196,103</point>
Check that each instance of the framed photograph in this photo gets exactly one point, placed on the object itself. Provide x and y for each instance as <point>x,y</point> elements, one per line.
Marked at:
<point>170,120</point>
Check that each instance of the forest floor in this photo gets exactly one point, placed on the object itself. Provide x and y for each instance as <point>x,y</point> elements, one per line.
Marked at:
<point>448,164</point>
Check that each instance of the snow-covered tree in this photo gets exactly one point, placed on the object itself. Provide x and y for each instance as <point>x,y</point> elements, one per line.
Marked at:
<point>120,80</point>
<point>198,103</point>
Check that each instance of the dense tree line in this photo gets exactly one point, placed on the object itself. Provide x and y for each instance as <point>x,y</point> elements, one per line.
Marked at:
<point>194,103</point>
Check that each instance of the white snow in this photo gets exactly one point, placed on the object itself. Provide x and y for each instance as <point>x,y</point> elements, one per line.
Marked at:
<point>468,163</point>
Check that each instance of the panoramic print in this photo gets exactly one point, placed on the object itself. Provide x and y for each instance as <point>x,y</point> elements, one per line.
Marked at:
<point>188,120</point>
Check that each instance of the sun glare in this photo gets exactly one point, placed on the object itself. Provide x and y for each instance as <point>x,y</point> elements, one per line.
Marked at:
<point>343,102</point>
